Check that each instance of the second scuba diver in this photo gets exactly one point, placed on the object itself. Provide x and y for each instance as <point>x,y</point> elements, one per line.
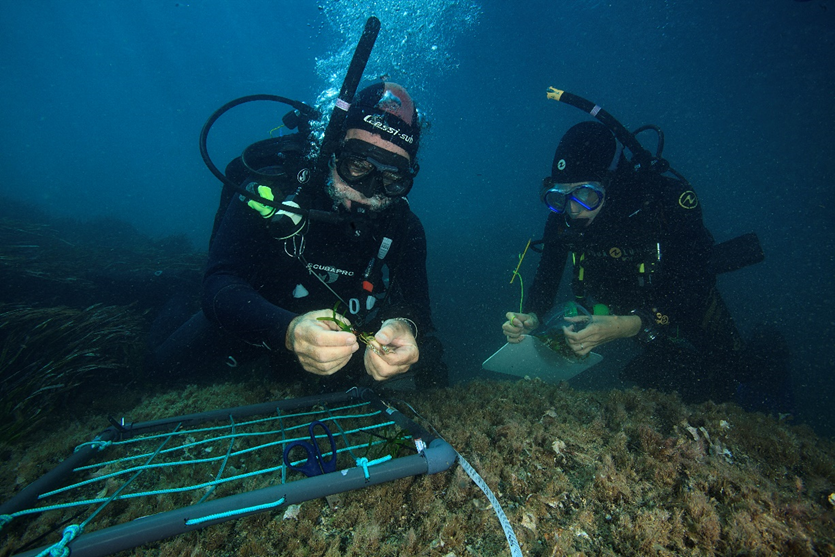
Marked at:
<point>635,242</point>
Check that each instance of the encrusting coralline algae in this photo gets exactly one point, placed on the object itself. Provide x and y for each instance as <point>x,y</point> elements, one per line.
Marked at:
<point>582,473</point>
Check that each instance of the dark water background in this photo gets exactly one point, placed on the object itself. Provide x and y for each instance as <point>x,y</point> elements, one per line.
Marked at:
<point>102,103</point>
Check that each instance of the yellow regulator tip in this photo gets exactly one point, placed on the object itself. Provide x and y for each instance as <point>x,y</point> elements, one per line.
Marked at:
<point>554,93</point>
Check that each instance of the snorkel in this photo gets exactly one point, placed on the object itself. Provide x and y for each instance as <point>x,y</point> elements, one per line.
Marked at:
<point>332,136</point>
<point>642,159</point>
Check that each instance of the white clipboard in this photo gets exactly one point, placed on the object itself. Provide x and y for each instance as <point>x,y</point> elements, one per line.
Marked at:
<point>532,358</point>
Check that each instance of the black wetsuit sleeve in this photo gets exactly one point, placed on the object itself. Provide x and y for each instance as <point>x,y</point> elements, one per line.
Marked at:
<point>410,285</point>
<point>686,244</point>
<point>231,300</point>
<point>541,296</point>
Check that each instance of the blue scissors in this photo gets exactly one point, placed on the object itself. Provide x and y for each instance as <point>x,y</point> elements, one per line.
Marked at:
<point>314,464</point>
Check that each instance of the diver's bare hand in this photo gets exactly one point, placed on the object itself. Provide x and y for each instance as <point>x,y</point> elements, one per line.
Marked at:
<point>518,325</point>
<point>602,329</point>
<point>321,346</point>
<point>392,352</point>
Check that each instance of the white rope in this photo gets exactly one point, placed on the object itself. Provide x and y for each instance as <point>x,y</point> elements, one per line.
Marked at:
<point>515,550</point>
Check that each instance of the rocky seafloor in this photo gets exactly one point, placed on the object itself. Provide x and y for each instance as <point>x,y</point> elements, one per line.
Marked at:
<point>577,473</point>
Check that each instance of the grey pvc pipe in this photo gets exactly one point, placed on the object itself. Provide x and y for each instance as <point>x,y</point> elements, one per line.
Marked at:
<point>439,456</point>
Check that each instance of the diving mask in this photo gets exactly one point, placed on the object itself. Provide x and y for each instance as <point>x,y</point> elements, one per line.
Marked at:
<point>371,170</point>
<point>556,196</point>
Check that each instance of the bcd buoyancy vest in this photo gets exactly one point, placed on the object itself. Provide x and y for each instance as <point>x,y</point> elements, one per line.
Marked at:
<point>359,275</point>
<point>618,263</point>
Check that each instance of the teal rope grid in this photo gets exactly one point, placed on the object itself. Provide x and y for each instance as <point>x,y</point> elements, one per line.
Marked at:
<point>181,489</point>
<point>127,483</point>
<point>255,508</point>
<point>249,423</point>
<point>288,429</point>
<point>222,464</point>
<point>60,549</point>
<point>188,488</point>
<point>194,487</point>
<point>192,461</point>
<point>284,440</point>
<point>364,463</point>
<point>204,485</point>
<point>214,439</point>
<point>71,532</point>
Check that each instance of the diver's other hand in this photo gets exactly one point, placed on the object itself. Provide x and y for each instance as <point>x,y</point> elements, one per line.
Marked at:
<point>265,210</point>
<point>518,325</point>
<point>601,329</point>
<point>392,352</point>
<point>321,346</point>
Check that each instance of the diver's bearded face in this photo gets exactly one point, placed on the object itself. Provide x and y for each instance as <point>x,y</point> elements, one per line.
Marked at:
<point>345,195</point>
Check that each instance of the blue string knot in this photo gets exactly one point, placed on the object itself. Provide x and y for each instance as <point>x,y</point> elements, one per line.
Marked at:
<point>364,463</point>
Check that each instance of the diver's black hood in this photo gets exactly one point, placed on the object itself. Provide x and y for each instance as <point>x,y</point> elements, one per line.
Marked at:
<point>627,193</point>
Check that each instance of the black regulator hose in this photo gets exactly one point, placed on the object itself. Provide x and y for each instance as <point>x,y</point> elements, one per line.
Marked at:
<point>305,110</point>
<point>660,134</point>
<point>331,137</point>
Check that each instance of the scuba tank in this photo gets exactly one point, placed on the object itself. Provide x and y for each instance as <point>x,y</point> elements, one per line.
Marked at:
<point>281,163</point>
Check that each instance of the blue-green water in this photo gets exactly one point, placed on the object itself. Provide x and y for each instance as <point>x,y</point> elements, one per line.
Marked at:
<point>102,104</point>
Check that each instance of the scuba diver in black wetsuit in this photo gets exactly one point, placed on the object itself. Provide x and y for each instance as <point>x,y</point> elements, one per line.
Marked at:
<point>637,244</point>
<point>278,279</point>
